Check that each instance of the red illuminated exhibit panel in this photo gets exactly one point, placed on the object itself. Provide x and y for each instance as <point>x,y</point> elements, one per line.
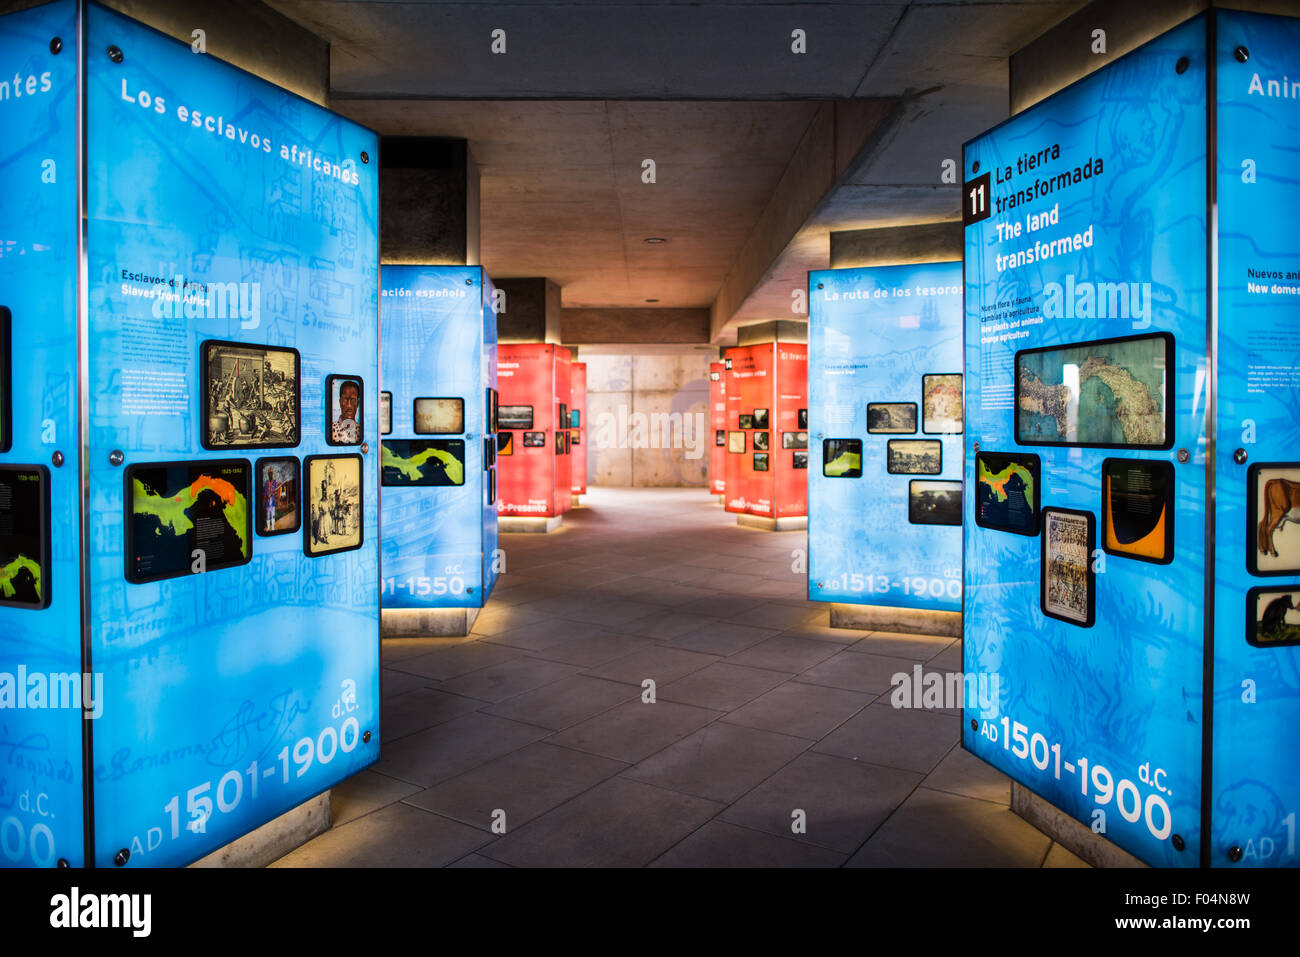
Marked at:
<point>718,420</point>
<point>578,428</point>
<point>766,430</point>
<point>562,441</point>
<point>527,426</point>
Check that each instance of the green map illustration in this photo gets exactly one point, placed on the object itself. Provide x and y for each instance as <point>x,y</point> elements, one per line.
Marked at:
<point>171,510</point>
<point>419,463</point>
<point>10,582</point>
<point>1111,394</point>
<point>1005,498</point>
<point>843,464</point>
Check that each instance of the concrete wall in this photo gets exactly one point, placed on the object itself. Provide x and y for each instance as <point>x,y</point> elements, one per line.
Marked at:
<point>648,419</point>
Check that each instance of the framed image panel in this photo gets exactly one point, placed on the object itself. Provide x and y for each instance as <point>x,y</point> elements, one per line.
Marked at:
<point>251,396</point>
<point>515,417</point>
<point>493,410</point>
<point>736,442</point>
<point>1068,583</point>
<point>25,536</point>
<point>1111,393</point>
<point>1008,489</point>
<point>794,440</point>
<point>575,438</point>
<point>505,443</point>
<point>760,461</point>
<point>760,418</point>
<point>891,418</point>
<point>941,404</point>
<point>720,437</point>
<point>575,418</point>
<point>335,500</point>
<point>747,421</point>
<point>424,462</point>
<point>489,452</point>
<point>279,496</point>
<point>346,412</point>
<point>439,416</point>
<point>174,509</point>
<point>803,418</point>
<point>914,457</point>
<point>762,441</point>
<point>1137,519</point>
<point>1273,503</point>
<point>799,460</point>
<point>492,487</point>
<point>1273,616</point>
<point>6,383</point>
<point>842,458</point>
<point>933,502</point>
<point>385,413</point>
<point>534,440</point>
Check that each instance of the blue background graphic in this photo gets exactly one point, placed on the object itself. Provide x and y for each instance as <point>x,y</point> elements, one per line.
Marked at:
<point>872,335</point>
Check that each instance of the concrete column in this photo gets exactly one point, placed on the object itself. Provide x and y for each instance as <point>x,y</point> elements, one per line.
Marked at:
<point>896,245</point>
<point>428,202</point>
<point>532,310</point>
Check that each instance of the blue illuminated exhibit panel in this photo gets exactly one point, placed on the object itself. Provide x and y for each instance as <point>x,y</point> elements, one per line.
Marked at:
<point>40,597</point>
<point>1084,539</point>
<point>1256,780</point>
<point>234,446</point>
<point>885,421</point>
<point>439,450</point>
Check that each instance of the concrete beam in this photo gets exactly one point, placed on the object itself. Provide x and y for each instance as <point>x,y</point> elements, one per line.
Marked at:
<point>777,330</point>
<point>634,326</point>
<point>897,245</point>
<point>246,33</point>
<point>826,152</point>
<point>428,202</point>
<point>1064,54</point>
<point>532,310</point>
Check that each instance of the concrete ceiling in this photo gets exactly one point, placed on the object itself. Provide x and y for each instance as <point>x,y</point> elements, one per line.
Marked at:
<point>561,122</point>
<point>563,197</point>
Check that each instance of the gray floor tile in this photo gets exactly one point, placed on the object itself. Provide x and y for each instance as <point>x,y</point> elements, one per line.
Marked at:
<point>821,631</point>
<point>662,665</point>
<point>963,773</point>
<point>457,657</point>
<point>937,829</point>
<point>566,702</point>
<point>719,844</point>
<point>618,823</point>
<point>870,674</point>
<point>589,651</point>
<point>499,682</point>
<point>721,686</point>
<point>720,761</point>
<point>843,801</point>
<point>523,784</point>
<point>478,860</point>
<point>1059,856</point>
<point>784,653</point>
<point>365,792</point>
<point>420,709</point>
<point>448,749</point>
<point>394,683</point>
<point>396,836</point>
<point>920,647</point>
<point>542,634</point>
<point>632,732</point>
<point>721,638</point>
<point>804,710</point>
<point>911,739</point>
<point>772,615</point>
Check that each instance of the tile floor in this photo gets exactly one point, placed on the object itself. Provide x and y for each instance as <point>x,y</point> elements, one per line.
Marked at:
<point>762,711</point>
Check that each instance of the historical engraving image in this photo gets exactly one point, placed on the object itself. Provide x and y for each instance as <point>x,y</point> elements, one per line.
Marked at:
<point>334,504</point>
<point>1273,616</point>
<point>933,503</point>
<point>1273,499</point>
<point>897,418</point>
<point>277,496</point>
<point>439,416</point>
<point>250,396</point>
<point>1067,586</point>
<point>914,457</point>
<point>941,403</point>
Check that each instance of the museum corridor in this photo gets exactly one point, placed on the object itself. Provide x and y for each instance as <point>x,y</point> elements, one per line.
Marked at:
<point>764,718</point>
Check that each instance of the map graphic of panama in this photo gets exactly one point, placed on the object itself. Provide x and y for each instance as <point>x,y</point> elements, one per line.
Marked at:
<point>173,511</point>
<point>428,466</point>
<point>1119,398</point>
<point>1006,497</point>
<point>843,463</point>
<point>14,588</point>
